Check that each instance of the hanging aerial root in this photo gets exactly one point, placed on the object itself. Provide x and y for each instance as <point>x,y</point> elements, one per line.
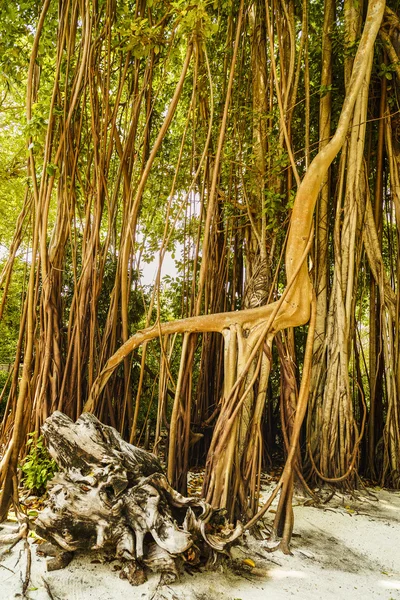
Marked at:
<point>110,494</point>
<point>283,522</point>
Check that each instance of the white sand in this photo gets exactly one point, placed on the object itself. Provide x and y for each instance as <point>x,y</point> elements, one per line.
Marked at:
<point>346,550</point>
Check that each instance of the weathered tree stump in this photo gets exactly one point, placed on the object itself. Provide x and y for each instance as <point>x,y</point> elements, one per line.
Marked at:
<point>110,494</point>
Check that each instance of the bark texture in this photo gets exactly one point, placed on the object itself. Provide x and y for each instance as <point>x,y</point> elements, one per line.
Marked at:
<point>110,494</point>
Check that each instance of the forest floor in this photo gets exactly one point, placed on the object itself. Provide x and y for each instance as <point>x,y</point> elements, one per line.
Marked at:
<point>346,549</point>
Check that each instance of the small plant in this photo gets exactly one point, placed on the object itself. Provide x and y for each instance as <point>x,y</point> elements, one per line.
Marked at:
<point>38,467</point>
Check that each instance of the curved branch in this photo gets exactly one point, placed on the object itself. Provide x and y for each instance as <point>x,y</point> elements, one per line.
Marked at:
<point>295,310</point>
<point>287,316</point>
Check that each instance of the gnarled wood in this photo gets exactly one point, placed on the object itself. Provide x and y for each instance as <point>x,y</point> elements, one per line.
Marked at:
<point>109,493</point>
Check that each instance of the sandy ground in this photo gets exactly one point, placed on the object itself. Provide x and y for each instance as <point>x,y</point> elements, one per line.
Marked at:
<point>349,549</point>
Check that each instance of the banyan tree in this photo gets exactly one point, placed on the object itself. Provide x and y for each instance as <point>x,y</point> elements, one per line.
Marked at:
<point>259,142</point>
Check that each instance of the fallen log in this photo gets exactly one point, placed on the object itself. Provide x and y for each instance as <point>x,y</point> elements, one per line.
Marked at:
<point>112,495</point>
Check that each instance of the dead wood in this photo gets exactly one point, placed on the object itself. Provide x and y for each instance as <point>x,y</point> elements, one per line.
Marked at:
<point>110,494</point>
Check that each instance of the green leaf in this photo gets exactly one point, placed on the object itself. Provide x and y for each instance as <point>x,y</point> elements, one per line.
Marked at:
<point>50,170</point>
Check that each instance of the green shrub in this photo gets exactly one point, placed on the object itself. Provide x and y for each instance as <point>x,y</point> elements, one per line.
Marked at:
<point>38,467</point>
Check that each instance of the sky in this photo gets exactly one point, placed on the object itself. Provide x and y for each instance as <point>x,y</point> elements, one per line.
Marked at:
<point>149,270</point>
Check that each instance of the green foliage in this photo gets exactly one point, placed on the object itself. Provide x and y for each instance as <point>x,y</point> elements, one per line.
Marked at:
<point>5,380</point>
<point>12,172</point>
<point>140,36</point>
<point>387,71</point>
<point>9,324</point>
<point>37,468</point>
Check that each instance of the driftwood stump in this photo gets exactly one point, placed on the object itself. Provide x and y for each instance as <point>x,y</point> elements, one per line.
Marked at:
<point>110,494</point>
